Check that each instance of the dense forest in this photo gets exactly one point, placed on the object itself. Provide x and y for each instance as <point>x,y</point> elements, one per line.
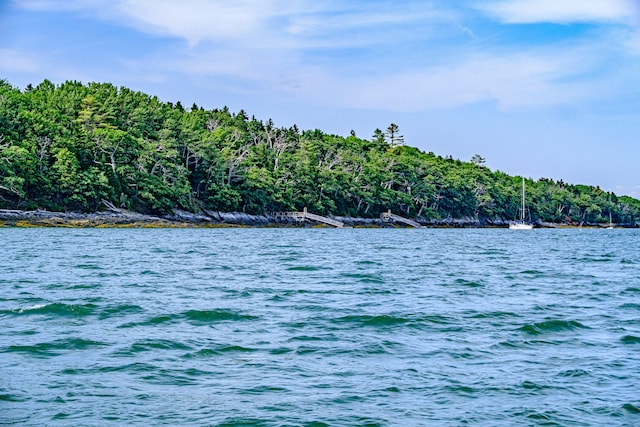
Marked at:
<point>73,147</point>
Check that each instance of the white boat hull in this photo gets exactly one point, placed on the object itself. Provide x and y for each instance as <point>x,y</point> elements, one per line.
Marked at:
<point>520,226</point>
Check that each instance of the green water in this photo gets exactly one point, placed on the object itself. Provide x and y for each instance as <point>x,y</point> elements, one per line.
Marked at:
<point>315,327</point>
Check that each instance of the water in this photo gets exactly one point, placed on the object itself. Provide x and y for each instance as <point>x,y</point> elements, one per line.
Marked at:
<point>314,327</point>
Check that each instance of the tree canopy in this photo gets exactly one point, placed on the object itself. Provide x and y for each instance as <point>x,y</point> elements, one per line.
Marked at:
<point>72,146</point>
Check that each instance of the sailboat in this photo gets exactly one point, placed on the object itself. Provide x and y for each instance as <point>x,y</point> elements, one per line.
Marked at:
<point>521,224</point>
<point>610,227</point>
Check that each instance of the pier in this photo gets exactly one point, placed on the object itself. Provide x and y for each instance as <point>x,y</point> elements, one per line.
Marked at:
<point>304,215</point>
<point>388,216</point>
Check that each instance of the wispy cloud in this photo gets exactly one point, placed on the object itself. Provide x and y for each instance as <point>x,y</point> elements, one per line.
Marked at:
<point>561,11</point>
<point>191,20</point>
<point>263,23</point>
<point>374,55</point>
<point>198,20</point>
<point>514,81</point>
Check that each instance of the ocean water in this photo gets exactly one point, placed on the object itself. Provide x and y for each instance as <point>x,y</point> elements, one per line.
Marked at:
<point>319,327</point>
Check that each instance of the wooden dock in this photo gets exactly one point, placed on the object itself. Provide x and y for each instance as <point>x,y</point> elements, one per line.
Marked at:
<point>388,216</point>
<point>304,215</point>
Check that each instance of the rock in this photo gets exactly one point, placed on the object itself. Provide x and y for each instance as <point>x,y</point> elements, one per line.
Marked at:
<point>180,215</point>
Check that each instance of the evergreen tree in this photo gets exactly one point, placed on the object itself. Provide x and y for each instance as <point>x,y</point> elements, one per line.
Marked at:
<point>393,135</point>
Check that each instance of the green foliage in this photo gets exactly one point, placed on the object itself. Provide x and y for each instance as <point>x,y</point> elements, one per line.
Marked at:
<point>72,146</point>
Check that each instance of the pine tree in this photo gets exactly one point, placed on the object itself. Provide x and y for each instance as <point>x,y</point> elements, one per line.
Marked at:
<point>393,135</point>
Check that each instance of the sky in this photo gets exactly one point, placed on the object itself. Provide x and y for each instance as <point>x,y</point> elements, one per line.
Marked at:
<point>539,88</point>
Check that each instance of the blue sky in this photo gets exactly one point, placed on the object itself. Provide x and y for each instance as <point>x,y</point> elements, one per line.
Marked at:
<point>540,88</point>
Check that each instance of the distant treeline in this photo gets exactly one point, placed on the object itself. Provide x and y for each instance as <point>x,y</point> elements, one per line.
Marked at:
<point>72,146</point>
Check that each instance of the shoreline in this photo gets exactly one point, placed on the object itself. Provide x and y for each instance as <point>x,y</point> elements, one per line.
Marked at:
<point>212,219</point>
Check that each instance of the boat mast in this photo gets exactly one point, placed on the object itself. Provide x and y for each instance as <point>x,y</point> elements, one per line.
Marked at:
<point>522,214</point>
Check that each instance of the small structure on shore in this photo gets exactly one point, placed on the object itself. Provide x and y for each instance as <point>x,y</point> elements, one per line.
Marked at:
<point>388,217</point>
<point>304,215</point>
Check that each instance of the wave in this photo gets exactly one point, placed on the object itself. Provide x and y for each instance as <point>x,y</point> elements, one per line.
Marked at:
<point>307,268</point>
<point>253,422</point>
<point>307,338</point>
<point>152,345</point>
<point>574,373</point>
<point>54,309</point>
<point>631,408</point>
<point>156,320</point>
<point>494,315</point>
<point>536,273</point>
<point>130,367</point>
<point>468,283</point>
<point>631,305</point>
<point>151,273</point>
<point>158,375</point>
<point>263,389</point>
<point>120,310</point>
<point>280,350</point>
<point>552,325</point>
<point>74,310</point>
<point>369,320</point>
<point>368,262</point>
<point>631,290</point>
<point>545,418</point>
<point>214,316</point>
<point>595,258</point>
<point>12,398</point>
<point>438,319</point>
<point>54,348</point>
<point>391,321</point>
<point>307,349</point>
<point>224,349</point>
<point>88,266</point>
<point>630,339</point>
<point>363,277</point>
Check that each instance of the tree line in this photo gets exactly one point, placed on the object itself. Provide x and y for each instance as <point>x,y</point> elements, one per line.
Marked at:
<point>73,146</point>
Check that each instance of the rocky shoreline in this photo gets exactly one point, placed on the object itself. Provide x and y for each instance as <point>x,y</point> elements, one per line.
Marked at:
<point>211,219</point>
<point>184,219</point>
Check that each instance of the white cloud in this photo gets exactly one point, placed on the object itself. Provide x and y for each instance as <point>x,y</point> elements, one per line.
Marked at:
<point>270,46</point>
<point>259,23</point>
<point>513,81</point>
<point>558,75</point>
<point>192,20</point>
<point>561,11</point>
<point>198,20</point>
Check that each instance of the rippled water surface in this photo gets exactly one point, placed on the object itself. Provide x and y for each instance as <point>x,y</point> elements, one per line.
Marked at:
<point>314,327</point>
